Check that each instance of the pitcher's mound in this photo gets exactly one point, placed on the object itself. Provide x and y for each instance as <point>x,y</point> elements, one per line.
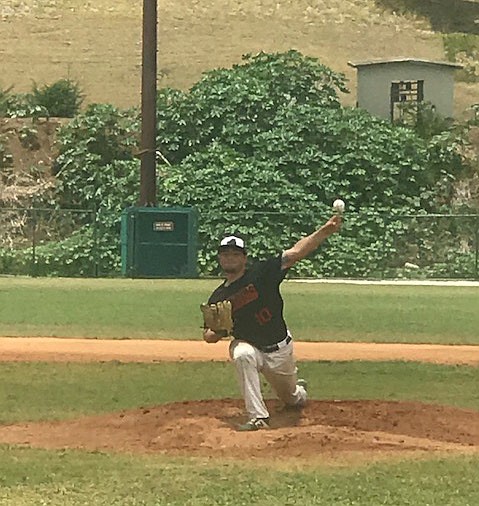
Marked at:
<point>207,428</point>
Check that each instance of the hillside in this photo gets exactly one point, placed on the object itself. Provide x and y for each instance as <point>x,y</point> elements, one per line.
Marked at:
<point>98,43</point>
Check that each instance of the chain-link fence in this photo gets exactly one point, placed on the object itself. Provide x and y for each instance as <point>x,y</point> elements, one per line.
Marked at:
<point>433,246</point>
<point>63,242</point>
<point>45,242</point>
<point>370,245</point>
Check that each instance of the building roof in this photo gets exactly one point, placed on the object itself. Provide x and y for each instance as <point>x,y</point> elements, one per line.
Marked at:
<point>367,63</point>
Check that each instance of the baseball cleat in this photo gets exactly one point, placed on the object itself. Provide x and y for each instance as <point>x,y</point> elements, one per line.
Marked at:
<point>302,383</point>
<point>254,424</point>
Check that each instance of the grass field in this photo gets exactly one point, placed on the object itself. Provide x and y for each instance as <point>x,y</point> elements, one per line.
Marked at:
<point>34,391</point>
<point>41,391</point>
<point>35,477</point>
<point>169,309</point>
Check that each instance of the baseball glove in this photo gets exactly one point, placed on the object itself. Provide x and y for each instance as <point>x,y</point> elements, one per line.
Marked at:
<point>218,318</point>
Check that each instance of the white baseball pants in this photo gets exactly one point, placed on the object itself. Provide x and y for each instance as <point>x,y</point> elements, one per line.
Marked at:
<point>279,369</point>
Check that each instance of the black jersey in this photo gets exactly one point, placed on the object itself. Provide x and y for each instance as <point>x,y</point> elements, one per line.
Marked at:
<point>256,303</point>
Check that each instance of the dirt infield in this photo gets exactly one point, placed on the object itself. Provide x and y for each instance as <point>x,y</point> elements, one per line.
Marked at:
<point>329,430</point>
<point>143,350</point>
<point>324,429</point>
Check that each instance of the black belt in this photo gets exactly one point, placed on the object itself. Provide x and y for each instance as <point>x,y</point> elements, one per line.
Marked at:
<point>275,347</point>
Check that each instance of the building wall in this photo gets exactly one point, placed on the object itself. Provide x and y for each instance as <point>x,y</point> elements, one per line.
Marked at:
<point>374,86</point>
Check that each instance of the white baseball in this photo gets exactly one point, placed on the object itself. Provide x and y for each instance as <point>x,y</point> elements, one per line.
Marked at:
<point>339,206</point>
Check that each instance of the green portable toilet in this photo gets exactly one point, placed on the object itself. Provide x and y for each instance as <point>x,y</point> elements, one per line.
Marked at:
<point>159,242</point>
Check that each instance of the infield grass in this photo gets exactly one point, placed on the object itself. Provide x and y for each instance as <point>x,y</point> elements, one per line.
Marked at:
<point>169,309</point>
<point>41,391</point>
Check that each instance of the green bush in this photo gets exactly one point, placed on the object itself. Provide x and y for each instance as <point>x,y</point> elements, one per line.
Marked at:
<point>5,100</point>
<point>96,170</point>
<point>18,105</point>
<point>458,264</point>
<point>88,252</point>
<point>270,137</point>
<point>262,149</point>
<point>463,49</point>
<point>15,262</point>
<point>424,120</point>
<point>61,99</point>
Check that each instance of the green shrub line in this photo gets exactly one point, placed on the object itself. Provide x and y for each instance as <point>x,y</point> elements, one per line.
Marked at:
<point>90,251</point>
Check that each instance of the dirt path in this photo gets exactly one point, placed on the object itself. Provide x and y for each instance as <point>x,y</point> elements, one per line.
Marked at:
<point>143,350</point>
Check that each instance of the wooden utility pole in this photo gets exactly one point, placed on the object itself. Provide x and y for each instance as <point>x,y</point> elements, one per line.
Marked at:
<point>148,105</point>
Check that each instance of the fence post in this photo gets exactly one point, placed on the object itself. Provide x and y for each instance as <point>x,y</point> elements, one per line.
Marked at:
<point>476,261</point>
<point>95,242</point>
<point>33,269</point>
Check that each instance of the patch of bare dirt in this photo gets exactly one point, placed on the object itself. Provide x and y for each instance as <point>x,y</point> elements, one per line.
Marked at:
<point>30,142</point>
<point>27,150</point>
<point>208,428</point>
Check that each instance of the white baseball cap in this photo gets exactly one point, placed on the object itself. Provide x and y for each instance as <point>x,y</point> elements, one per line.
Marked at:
<point>231,241</point>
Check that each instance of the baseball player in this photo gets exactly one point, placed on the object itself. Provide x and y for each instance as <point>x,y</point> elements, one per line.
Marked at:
<point>248,307</point>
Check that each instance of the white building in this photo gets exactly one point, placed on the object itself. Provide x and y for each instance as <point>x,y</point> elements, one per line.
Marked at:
<point>383,86</point>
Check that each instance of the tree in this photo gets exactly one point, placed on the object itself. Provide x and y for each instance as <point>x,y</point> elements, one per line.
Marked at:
<point>270,136</point>
<point>262,149</point>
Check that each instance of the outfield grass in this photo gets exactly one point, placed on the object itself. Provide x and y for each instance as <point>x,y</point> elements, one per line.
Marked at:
<point>169,309</point>
<point>36,477</point>
<point>39,391</point>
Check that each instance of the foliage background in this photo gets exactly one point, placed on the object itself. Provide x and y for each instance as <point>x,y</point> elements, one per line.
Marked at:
<point>262,149</point>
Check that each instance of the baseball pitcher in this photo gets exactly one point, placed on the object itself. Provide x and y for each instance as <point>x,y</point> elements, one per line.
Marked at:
<point>248,308</point>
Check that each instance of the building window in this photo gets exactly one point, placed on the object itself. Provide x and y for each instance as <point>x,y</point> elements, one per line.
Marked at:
<point>404,96</point>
